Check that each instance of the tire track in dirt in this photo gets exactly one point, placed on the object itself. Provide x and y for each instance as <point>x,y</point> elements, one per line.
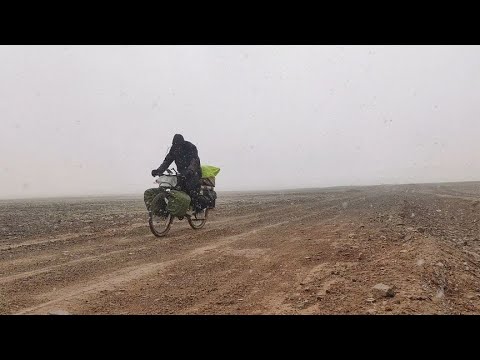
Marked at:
<point>118,277</point>
<point>48,269</point>
<point>461,197</point>
<point>143,270</point>
<point>214,226</point>
<point>108,232</point>
<point>109,282</point>
<point>67,237</point>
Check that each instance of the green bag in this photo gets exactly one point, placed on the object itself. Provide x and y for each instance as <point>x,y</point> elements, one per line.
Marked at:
<point>209,171</point>
<point>159,205</point>
<point>155,200</point>
<point>178,203</point>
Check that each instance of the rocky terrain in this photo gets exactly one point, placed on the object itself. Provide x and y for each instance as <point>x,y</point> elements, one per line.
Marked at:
<point>410,249</point>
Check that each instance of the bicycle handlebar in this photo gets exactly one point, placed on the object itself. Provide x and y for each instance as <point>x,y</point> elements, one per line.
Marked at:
<point>170,173</point>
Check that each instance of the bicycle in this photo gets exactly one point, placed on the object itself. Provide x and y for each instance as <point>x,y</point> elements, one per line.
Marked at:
<point>160,223</point>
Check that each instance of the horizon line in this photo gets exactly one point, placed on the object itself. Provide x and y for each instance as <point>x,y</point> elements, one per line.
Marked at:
<point>46,197</point>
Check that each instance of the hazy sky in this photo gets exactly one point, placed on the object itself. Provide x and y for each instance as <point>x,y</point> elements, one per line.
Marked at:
<point>97,119</point>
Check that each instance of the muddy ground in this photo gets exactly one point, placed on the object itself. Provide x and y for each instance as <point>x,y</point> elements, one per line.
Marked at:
<point>298,252</point>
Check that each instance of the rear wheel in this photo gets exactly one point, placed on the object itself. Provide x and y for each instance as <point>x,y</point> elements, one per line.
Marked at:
<point>160,225</point>
<point>198,220</point>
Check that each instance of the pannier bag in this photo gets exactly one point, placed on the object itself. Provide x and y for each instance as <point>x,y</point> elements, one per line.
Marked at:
<point>208,197</point>
<point>155,200</point>
<point>159,205</point>
<point>178,203</point>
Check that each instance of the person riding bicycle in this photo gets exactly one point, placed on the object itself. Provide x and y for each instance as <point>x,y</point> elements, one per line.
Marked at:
<point>185,155</point>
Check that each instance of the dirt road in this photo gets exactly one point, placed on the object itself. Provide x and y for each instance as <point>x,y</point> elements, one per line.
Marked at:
<point>304,252</point>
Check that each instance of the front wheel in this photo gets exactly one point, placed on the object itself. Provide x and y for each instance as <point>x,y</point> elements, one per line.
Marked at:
<point>198,220</point>
<point>160,225</point>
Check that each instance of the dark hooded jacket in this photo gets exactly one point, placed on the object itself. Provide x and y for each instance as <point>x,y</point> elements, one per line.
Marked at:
<point>185,155</point>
